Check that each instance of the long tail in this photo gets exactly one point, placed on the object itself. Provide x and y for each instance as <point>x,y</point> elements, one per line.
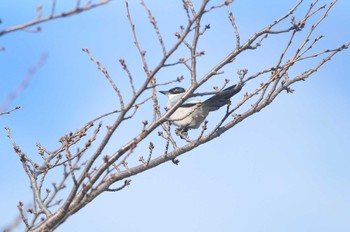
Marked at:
<point>221,99</point>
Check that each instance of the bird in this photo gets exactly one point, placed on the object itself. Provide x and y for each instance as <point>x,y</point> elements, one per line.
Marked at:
<point>193,111</point>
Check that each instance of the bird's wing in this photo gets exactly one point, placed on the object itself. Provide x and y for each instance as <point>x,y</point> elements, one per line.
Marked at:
<point>191,102</point>
<point>186,105</point>
<point>220,99</point>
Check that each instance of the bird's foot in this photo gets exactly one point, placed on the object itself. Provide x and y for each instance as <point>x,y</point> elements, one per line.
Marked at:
<point>182,133</point>
<point>175,161</point>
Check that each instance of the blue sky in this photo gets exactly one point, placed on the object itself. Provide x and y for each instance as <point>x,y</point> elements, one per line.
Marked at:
<point>283,169</point>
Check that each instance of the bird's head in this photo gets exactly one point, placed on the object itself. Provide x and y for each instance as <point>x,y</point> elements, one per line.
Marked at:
<point>173,91</point>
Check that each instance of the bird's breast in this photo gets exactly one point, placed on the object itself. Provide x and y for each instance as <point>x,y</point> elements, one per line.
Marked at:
<point>190,117</point>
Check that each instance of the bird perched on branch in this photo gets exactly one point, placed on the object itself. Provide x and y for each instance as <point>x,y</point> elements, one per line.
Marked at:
<point>193,111</point>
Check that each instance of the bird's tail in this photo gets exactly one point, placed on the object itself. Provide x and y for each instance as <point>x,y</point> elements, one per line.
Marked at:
<point>221,99</point>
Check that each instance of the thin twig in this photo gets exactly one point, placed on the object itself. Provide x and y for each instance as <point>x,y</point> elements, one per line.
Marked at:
<point>125,67</point>
<point>24,83</point>
<point>234,25</point>
<point>53,16</point>
<point>156,29</point>
<point>10,111</point>
<point>105,72</point>
<point>126,183</point>
<point>136,41</point>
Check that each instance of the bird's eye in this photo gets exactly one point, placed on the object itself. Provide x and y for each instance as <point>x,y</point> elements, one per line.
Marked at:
<point>177,90</point>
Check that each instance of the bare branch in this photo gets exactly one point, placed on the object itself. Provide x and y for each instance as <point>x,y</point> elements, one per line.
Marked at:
<point>193,47</point>
<point>126,183</point>
<point>105,72</point>
<point>23,217</point>
<point>141,52</point>
<point>10,111</point>
<point>178,79</point>
<point>156,29</point>
<point>125,67</point>
<point>24,83</point>
<point>235,29</point>
<point>53,8</point>
<point>53,16</point>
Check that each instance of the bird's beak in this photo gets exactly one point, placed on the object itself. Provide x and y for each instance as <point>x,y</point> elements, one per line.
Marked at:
<point>164,92</point>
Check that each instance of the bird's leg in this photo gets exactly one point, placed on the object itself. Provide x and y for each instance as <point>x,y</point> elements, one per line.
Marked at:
<point>182,133</point>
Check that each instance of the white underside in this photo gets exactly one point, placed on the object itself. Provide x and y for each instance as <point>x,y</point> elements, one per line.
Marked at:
<point>189,117</point>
